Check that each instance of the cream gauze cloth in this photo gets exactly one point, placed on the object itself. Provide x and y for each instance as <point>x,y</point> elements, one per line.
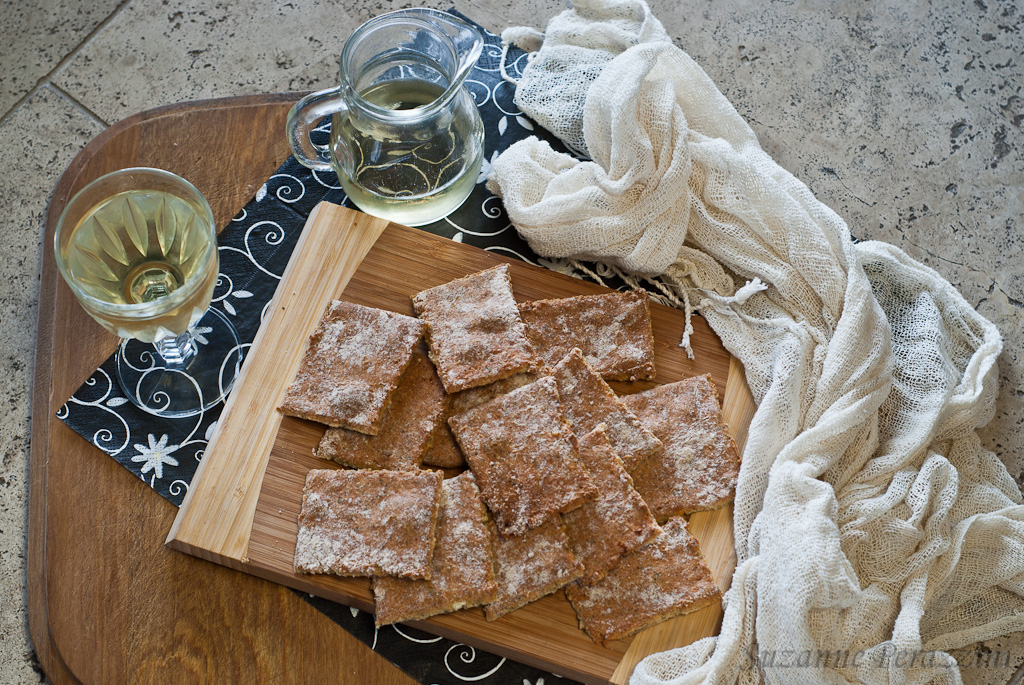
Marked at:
<point>873,531</point>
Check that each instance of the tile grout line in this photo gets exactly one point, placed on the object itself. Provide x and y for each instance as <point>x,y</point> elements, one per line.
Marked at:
<point>47,78</point>
<point>78,105</point>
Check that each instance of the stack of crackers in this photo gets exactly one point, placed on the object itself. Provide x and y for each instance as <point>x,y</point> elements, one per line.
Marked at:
<point>494,465</point>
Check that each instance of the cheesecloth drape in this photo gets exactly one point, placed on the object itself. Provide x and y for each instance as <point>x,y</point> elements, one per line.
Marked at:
<point>873,531</point>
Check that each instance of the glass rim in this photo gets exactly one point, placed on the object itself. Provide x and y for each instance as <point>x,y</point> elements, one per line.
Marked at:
<point>139,309</point>
<point>416,15</point>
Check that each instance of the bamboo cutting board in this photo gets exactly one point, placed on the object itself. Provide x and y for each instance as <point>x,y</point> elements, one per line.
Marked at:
<point>242,507</point>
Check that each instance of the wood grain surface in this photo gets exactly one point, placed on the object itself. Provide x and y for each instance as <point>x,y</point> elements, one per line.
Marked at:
<point>254,445</point>
<point>108,603</point>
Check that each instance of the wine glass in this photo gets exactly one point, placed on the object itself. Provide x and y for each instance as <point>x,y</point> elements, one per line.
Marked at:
<point>138,248</point>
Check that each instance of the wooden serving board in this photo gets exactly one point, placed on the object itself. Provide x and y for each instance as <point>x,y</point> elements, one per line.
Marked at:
<point>242,507</point>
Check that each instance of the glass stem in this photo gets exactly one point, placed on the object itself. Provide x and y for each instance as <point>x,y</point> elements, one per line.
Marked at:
<point>177,349</point>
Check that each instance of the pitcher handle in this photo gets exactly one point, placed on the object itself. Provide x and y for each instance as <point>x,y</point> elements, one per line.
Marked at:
<point>303,117</point>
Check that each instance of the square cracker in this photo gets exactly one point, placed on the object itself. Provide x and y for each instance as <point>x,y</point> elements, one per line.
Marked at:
<point>461,568</point>
<point>443,450</point>
<point>612,330</point>
<point>530,566</point>
<point>618,521</point>
<point>365,523</point>
<point>352,365</point>
<point>588,401</point>
<point>408,422</point>
<point>699,466</point>
<point>476,335</point>
<point>524,457</point>
<point>666,577</point>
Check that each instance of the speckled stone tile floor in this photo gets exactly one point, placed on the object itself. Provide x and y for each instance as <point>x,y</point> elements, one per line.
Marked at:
<point>906,118</point>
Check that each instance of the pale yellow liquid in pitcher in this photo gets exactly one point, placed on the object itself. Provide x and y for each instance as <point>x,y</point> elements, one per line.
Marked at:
<point>416,180</point>
<point>137,247</point>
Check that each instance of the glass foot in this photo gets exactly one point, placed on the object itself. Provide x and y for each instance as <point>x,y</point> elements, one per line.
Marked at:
<point>182,377</point>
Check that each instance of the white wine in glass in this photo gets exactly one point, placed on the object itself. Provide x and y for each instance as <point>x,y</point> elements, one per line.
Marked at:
<point>138,247</point>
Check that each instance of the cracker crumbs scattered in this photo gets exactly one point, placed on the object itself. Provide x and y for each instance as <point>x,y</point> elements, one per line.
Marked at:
<point>443,450</point>
<point>603,530</point>
<point>666,577</point>
<point>409,420</point>
<point>352,365</point>
<point>523,454</point>
<point>588,401</point>
<point>530,566</point>
<point>364,523</point>
<point>613,331</point>
<point>476,335</point>
<point>461,568</point>
<point>699,466</point>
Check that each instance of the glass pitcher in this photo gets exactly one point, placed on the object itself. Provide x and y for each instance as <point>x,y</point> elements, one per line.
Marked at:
<point>406,138</point>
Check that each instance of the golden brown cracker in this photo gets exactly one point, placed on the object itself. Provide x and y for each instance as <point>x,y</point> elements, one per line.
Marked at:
<point>411,417</point>
<point>699,465</point>
<point>530,566</point>
<point>612,330</point>
<point>618,521</point>
<point>666,577</point>
<point>352,365</point>
<point>524,457</point>
<point>476,335</point>
<point>364,523</point>
<point>443,450</point>
<point>461,567</point>
<point>588,401</point>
